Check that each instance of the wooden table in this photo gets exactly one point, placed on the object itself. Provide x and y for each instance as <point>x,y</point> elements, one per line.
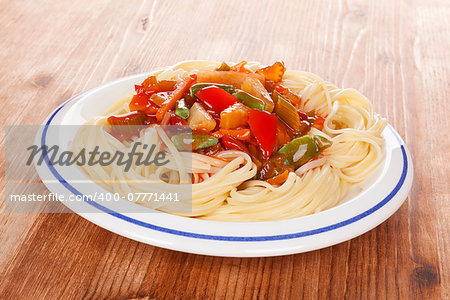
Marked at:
<point>395,52</point>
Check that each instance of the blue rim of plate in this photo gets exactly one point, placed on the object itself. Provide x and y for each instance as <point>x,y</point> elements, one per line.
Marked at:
<point>289,236</point>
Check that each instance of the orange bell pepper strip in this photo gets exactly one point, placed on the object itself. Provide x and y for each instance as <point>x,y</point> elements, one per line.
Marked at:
<point>217,134</point>
<point>274,72</point>
<point>240,67</point>
<point>152,84</point>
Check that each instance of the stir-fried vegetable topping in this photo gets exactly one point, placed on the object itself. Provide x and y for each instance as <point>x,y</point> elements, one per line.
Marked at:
<point>199,119</point>
<point>227,77</point>
<point>152,84</point>
<point>198,86</point>
<point>193,141</point>
<point>249,100</point>
<point>231,107</point>
<point>274,72</point>
<point>240,134</point>
<point>287,112</point>
<point>177,94</point>
<point>256,88</point>
<point>223,67</point>
<point>301,150</point>
<point>128,125</point>
<point>234,116</point>
<point>240,67</point>
<point>182,110</point>
<point>264,127</point>
<point>215,98</point>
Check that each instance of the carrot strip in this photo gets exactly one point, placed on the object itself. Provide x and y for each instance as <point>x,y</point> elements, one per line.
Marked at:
<point>239,134</point>
<point>166,119</point>
<point>176,95</point>
<point>279,179</point>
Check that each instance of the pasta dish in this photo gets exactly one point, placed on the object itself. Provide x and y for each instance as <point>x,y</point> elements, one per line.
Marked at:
<point>253,142</point>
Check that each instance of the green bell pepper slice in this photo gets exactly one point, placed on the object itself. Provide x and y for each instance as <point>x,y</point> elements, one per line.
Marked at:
<point>249,100</point>
<point>198,86</point>
<point>181,109</point>
<point>193,141</point>
<point>301,150</point>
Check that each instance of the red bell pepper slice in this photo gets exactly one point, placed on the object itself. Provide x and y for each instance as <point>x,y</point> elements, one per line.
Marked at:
<point>140,90</point>
<point>141,101</point>
<point>232,143</point>
<point>216,98</point>
<point>264,127</point>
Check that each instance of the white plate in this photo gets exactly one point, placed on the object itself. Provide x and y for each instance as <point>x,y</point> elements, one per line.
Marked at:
<point>381,197</point>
